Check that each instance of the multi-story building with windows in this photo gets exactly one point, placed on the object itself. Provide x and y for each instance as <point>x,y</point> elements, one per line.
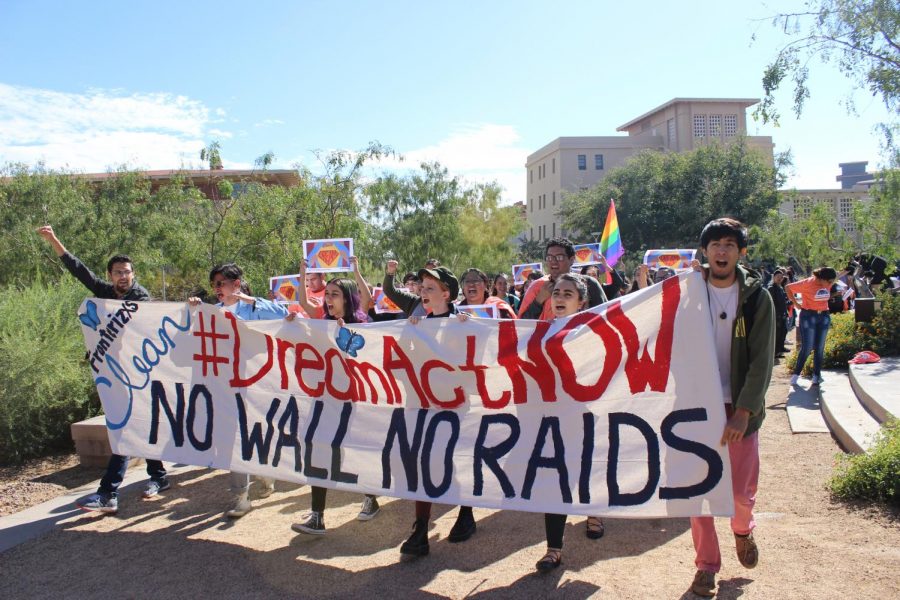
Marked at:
<point>569,164</point>
<point>855,183</point>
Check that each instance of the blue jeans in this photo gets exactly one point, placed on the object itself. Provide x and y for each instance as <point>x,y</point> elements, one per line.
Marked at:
<point>813,330</point>
<point>115,473</point>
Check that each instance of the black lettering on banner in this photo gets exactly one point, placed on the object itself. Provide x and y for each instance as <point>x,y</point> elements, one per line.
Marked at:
<point>409,453</point>
<point>309,470</point>
<point>709,455</point>
<point>428,486</point>
<point>336,473</point>
<point>289,438</point>
<point>197,390</point>
<point>255,438</point>
<point>617,498</point>
<point>557,461</point>
<point>176,419</point>
<point>587,456</point>
<point>483,455</point>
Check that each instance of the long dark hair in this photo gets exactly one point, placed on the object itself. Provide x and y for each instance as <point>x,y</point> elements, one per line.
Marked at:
<point>353,312</point>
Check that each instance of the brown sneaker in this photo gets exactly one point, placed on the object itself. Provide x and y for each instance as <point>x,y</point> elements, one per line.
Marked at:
<point>747,552</point>
<point>704,584</point>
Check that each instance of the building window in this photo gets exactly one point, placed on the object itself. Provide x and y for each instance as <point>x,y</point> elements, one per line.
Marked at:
<point>553,166</point>
<point>802,208</point>
<point>554,198</point>
<point>699,126</point>
<point>715,126</point>
<point>670,130</point>
<point>598,162</point>
<point>730,125</point>
<point>845,214</point>
<point>582,162</point>
<point>531,205</point>
<point>531,176</point>
<point>532,234</point>
<point>554,230</point>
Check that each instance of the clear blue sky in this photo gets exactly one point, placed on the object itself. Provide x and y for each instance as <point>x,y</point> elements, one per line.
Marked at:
<point>476,85</point>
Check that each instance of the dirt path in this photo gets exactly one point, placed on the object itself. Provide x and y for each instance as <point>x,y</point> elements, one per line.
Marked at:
<point>181,546</point>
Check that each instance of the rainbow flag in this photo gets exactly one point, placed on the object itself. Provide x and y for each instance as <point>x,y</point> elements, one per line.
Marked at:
<point>610,242</point>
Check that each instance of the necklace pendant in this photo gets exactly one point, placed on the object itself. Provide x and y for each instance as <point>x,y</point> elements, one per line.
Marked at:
<point>723,315</point>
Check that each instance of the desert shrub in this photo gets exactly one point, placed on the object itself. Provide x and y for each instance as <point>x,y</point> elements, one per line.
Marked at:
<point>872,476</point>
<point>45,383</point>
<point>846,337</point>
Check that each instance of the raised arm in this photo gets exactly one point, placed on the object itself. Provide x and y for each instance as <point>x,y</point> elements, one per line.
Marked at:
<point>99,287</point>
<point>404,300</point>
<point>310,309</point>
<point>365,296</point>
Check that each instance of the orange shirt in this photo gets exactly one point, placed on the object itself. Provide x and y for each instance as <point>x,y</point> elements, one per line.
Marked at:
<point>533,289</point>
<point>814,293</point>
<point>317,299</point>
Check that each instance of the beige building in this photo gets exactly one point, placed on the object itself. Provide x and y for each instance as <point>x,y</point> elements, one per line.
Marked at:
<point>569,164</point>
<point>855,184</point>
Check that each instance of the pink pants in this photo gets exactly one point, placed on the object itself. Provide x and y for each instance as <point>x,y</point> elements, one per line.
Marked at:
<point>744,479</point>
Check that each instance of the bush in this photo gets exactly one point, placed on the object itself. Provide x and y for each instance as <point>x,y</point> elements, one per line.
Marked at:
<point>846,337</point>
<point>45,384</point>
<point>874,476</point>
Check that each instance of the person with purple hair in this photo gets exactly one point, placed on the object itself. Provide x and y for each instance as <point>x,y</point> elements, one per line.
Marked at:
<point>343,302</point>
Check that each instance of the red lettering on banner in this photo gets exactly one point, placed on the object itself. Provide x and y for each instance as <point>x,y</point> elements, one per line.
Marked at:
<point>283,347</point>
<point>237,380</point>
<point>538,369</point>
<point>642,370</point>
<point>361,372</point>
<point>318,364</point>
<point>568,376</point>
<point>458,396</point>
<point>392,349</point>
<point>480,381</point>
<point>347,394</point>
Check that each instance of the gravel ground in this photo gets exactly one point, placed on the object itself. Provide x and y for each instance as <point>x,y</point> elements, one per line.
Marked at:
<point>180,545</point>
<point>40,480</point>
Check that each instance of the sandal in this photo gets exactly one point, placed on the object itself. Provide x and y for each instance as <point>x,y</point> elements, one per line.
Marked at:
<point>595,528</point>
<point>551,560</point>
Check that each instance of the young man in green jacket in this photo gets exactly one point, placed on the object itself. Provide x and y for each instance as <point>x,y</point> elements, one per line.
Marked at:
<point>743,321</point>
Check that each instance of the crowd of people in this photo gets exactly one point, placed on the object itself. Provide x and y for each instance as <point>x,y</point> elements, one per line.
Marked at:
<point>748,329</point>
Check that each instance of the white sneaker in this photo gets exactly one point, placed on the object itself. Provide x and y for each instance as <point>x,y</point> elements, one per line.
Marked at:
<point>241,507</point>
<point>817,379</point>
<point>266,487</point>
<point>795,379</point>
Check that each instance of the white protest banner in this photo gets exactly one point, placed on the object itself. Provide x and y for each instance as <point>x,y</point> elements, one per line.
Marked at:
<point>613,411</point>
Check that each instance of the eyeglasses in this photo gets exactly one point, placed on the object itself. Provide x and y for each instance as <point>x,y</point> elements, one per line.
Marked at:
<point>220,283</point>
<point>119,273</point>
<point>556,257</point>
<point>472,281</point>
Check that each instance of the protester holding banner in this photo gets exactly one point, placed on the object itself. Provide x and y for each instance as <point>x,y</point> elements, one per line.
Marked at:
<point>500,289</point>
<point>343,304</point>
<point>560,254</point>
<point>569,296</point>
<point>742,317</point>
<point>233,295</point>
<point>124,286</point>
<point>438,290</point>
<point>475,291</point>
<point>811,295</point>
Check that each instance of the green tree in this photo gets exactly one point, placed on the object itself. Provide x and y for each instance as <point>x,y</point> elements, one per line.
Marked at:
<point>665,199</point>
<point>815,240</point>
<point>428,214</point>
<point>878,221</point>
<point>861,37</point>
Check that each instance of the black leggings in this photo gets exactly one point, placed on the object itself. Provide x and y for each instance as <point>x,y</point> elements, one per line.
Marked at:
<point>555,526</point>
<point>318,498</point>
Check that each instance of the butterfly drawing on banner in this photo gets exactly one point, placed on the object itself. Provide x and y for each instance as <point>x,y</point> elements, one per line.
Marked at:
<point>349,341</point>
<point>89,316</point>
